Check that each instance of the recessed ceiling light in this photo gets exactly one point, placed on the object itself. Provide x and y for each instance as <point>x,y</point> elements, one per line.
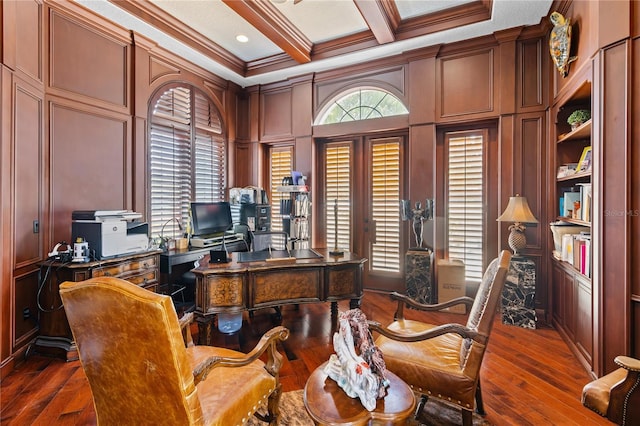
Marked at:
<point>242,38</point>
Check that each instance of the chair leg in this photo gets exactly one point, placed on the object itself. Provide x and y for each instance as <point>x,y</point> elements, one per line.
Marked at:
<point>479,404</point>
<point>467,417</point>
<point>273,406</point>
<point>420,407</point>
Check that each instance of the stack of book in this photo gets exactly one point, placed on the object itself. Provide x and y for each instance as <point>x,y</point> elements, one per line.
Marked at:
<point>576,251</point>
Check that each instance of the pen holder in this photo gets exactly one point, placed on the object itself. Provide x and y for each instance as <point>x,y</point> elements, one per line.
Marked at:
<point>182,243</point>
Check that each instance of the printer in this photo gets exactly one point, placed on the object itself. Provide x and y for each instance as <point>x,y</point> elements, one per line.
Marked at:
<point>110,233</point>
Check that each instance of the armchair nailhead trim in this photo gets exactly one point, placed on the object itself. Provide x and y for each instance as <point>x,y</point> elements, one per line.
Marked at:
<point>428,392</point>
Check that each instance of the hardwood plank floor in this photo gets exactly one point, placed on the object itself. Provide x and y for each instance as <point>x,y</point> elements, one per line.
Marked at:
<point>529,377</point>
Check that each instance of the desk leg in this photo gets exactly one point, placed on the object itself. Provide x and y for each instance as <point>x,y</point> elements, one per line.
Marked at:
<point>204,330</point>
<point>354,303</point>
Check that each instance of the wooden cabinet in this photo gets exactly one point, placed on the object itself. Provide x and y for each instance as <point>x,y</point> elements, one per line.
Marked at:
<point>573,310</point>
<point>55,336</point>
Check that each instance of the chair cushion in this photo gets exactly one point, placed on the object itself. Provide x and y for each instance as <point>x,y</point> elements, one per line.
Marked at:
<point>595,394</point>
<point>432,366</point>
<point>228,395</point>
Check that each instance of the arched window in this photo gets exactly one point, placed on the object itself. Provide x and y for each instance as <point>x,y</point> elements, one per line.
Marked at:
<point>361,104</point>
<point>187,157</point>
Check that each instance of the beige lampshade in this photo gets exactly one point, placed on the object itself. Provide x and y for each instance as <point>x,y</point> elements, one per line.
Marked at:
<point>517,211</point>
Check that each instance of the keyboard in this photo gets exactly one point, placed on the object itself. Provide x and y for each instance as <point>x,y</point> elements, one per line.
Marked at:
<point>215,241</point>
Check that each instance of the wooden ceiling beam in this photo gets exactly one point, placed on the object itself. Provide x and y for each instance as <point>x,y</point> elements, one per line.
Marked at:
<point>158,18</point>
<point>267,19</point>
<point>380,23</point>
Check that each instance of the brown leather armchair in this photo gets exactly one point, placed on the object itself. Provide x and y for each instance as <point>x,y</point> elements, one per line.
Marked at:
<point>132,351</point>
<point>616,395</point>
<point>444,361</point>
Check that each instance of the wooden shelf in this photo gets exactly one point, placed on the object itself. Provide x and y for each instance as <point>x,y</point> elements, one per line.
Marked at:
<point>292,188</point>
<point>574,221</point>
<point>582,132</point>
<point>575,176</point>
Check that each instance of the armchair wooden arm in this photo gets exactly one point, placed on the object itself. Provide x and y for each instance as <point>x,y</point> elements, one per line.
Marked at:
<point>429,334</point>
<point>266,344</point>
<point>406,300</point>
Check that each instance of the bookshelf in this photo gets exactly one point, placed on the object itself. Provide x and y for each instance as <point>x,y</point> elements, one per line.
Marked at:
<point>572,300</point>
<point>296,212</point>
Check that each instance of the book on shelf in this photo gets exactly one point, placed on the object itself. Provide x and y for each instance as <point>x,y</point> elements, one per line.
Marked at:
<point>585,201</point>
<point>576,251</point>
<point>569,202</point>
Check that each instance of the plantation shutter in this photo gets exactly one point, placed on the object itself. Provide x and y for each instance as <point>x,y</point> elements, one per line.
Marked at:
<point>338,190</point>
<point>465,202</point>
<point>209,158</point>
<point>385,199</point>
<point>281,164</point>
<point>170,160</point>
<point>187,158</point>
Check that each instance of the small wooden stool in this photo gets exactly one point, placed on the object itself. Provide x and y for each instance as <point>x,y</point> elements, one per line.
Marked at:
<point>328,404</point>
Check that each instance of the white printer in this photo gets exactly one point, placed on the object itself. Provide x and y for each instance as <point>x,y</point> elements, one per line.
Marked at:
<point>110,233</point>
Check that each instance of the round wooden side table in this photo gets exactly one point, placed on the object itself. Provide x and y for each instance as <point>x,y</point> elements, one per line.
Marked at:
<point>328,404</point>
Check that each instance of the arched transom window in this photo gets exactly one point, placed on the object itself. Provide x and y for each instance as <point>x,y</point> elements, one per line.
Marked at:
<point>361,104</point>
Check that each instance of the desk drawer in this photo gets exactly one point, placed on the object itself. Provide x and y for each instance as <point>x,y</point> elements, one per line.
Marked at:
<point>142,271</point>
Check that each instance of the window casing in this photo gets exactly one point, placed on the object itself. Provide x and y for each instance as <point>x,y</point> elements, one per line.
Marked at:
<point>187,158</point>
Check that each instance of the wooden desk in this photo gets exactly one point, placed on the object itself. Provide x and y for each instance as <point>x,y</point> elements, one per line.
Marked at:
<point>328,404</point>
<point>169,258</point>
<point>238,286</point>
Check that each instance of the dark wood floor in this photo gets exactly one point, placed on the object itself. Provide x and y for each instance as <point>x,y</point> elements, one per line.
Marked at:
<point>529,377</point>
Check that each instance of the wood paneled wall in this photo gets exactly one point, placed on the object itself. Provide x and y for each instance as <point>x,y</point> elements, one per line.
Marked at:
<point>77,91</point>
<point>500,81</point>
<point>74,127</point>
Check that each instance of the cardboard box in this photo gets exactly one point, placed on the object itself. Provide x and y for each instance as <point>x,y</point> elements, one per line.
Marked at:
<point>451,282</point>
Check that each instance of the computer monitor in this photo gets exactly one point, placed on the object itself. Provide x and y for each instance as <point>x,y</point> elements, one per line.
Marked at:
<point>211,218</point>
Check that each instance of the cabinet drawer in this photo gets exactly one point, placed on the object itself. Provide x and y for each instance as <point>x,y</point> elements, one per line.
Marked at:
<point>143,280</point>
<point>126,269</point>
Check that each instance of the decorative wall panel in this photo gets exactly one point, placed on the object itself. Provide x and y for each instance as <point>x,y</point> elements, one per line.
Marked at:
<point>87,62</point>
<point>466,84</point>
<point>90,165</point>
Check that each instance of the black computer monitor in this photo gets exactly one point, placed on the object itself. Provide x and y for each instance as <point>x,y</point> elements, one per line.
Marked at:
<point>211,218</point>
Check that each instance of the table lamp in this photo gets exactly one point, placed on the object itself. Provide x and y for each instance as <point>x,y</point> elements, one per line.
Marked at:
<point>517,211</point>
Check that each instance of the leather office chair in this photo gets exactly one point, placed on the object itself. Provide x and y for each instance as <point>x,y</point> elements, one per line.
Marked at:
<point>270,240</point>
<point>616,395</point>
<point>444,361</point>
<point>140,372</point>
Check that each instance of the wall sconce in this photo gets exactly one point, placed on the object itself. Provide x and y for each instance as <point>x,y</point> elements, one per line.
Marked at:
<point>517,211</point>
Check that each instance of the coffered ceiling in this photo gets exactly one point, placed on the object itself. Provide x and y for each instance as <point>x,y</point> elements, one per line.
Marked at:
<point>287,38</point>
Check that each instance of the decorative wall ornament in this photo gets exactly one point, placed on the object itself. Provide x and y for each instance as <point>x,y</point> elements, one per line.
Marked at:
<point>357,366</point>
<point>560,43</point>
